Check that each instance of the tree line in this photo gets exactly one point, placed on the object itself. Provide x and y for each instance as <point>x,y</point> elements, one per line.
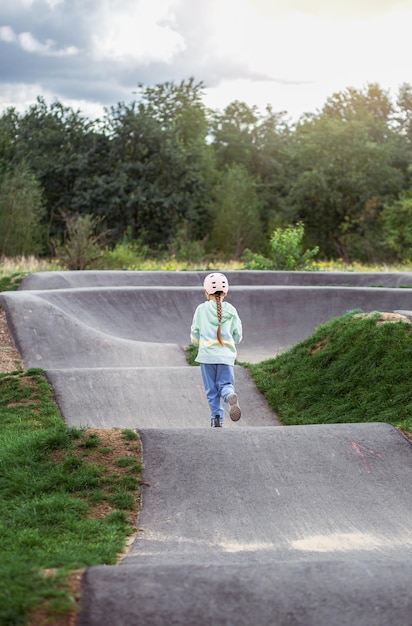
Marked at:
<point>167,174</point>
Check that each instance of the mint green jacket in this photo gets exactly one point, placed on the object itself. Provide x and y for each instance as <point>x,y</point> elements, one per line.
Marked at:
<point>203,333</point>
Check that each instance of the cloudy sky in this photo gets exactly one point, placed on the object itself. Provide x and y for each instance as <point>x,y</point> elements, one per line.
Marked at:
<point>292,54</point>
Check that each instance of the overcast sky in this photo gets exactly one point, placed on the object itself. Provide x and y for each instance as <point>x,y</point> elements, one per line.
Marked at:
<point>292,54</point>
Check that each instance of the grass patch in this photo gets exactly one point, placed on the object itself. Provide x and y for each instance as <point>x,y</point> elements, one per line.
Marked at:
<point>11,282</point>
<point>191,354</point>
<point>129,435</point>
<point>63,504</point>
<point>355,368</point>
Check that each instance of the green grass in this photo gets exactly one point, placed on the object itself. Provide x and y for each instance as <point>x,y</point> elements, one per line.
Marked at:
<point>48,488</point>
<point>191,354</point>
<point>12,281</point>
<point>351,369</point>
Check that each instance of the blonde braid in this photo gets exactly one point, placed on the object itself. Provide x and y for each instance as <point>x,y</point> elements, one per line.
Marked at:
<point>219,317</point>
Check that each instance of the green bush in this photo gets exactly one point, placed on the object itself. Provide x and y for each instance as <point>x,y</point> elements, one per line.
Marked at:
<point>286,252</point>
<point>126,255</point>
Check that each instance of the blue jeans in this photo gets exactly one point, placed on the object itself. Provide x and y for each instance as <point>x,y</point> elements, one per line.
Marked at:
<point>219,382</point>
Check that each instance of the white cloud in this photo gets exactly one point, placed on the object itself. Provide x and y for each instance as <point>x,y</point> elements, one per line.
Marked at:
<point>305,55</point>
<point>26,4</point>
<point>292,54</point>
<point>54,3</point>
<point>22,95</point>
<point>19,95</point>
<point>133,32</point>
<point>7,34</point>
<point>292,99</point>
<point>337,8</point>
<point>28,43</point>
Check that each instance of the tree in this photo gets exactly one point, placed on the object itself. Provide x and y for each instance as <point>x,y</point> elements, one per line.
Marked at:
<point>162,164</point>
<point>262,144</point>
<point>403,114</point>
<point>397,227</point>
<point>177,108</point>
<point>184,119</point>
<point>274,168</point>
<point>371,107</point>
<point>21,213</point>
<point>52,141</point>
<point>147,169</point>
<point>236,224</point>
<point>403,128</point>
<point>234,135</point>
<point>9,122</point>
<point>161,169</point>
<point>82,244</point>
<point>343,179</point>
<point>148,178</point>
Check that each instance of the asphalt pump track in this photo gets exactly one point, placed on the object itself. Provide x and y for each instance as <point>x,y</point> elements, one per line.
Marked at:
<point>252,524</point>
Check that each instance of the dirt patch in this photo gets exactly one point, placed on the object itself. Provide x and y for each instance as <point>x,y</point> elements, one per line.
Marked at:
<point>321,345</point>
<point>43,617</point>
<point>407,435</point>
<point>10,359</point>
<point>386,317</point>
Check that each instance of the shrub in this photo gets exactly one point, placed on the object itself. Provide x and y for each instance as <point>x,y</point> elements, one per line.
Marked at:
<point>286,252</point>
<point>81,247</point>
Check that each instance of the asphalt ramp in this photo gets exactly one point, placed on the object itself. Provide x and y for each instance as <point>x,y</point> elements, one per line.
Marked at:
<point>275,494</point>
<point>149,397</point>
<point>305,525</point>
<point>144,325</point>
<point>252,524</point>
<point>118,278</point>
<point>333,593</point>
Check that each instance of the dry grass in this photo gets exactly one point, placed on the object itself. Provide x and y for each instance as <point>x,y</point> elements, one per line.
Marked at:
<point>11,265</point>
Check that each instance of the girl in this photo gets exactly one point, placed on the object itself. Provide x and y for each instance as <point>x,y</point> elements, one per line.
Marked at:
<point>216,329</point>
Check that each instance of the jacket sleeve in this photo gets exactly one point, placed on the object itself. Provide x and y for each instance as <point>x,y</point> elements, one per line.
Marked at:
<point>194,330</point>
<point>237,332</point>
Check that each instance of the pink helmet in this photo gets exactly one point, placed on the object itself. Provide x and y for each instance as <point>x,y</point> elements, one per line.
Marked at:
<point>216,282</point>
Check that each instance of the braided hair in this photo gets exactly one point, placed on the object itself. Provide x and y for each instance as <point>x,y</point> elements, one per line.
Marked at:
<point>217,295</point>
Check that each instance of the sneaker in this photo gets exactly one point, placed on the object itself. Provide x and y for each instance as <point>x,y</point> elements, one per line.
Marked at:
<point>234,411</point>
<point>217,421</point>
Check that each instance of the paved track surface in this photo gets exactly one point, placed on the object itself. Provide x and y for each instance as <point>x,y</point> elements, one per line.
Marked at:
<point>267,475</point>
<point>59,280</point>
<point>253,524</point>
